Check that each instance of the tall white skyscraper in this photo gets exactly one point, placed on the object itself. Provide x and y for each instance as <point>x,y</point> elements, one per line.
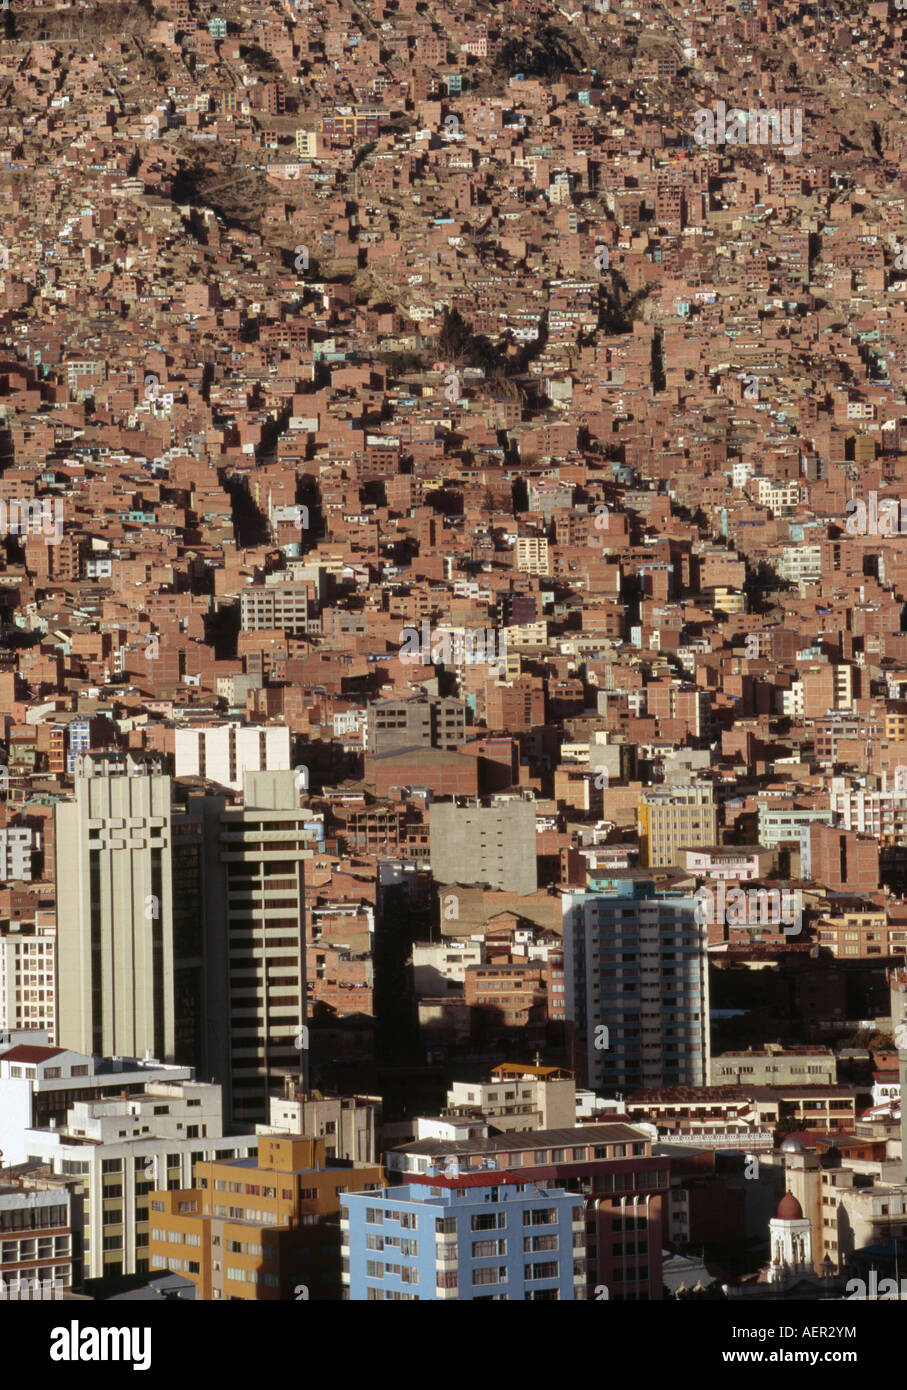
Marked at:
<point>115,923</point>
<point>637,987</point>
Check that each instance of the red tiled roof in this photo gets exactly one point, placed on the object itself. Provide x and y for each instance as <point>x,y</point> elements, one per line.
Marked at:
<point>25,1052</point>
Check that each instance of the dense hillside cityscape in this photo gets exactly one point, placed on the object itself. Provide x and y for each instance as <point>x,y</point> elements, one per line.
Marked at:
<point>453,653</point>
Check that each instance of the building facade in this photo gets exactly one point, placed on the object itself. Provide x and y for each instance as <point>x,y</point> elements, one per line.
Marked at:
<point>494,845</point>
<point>673,819</point>
<point>468,1239</point>
<point>261,1229</point>
<point>223,753</point>
<point>637,989</point>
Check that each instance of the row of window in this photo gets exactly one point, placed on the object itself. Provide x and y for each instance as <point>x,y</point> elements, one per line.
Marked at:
<point>32,1218</point>
<point>252,1191</point>
<point>407,1247</point>
<point>481,1278</point>
<point>252,1276</point>
<point>263,1218</point>
<point>175,1237</point>
<point>375,1216</point>
<point>46,1247</point>
<point>533,1157</point>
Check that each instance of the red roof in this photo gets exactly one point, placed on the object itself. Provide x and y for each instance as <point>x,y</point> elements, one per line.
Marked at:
<point>789,1208</point>
<point>25,1052</point>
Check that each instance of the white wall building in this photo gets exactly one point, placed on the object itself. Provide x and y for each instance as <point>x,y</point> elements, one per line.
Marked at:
<point>440,967</point>
<point>124,1147</point>
<point>28,995</point>
<point>224,752</point>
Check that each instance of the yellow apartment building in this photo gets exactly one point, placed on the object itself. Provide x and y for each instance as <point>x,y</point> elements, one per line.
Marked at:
<point>260,1228</point>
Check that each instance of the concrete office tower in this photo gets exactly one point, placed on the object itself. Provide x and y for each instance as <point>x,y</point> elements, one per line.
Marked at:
<point>636,975</point>
<point>675,818</point>
<point>118,976</point>
<point>255,982</point>
<point>494,845</point>
<point>225,752</point>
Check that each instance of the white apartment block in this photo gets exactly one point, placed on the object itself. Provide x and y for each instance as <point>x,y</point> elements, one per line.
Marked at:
<point>800,563</point>
<point>38,1083</point>
<point>224,752</point>
<point>870,811</point>
<point>347,1124</point>
<point>532,555</point>
<point>123,1148</point>
<point>28,993</point>
<point>518,1101</point>
<point>777,496</point>
<point>16,844</point>
<point>440,967</point>
<point>792,701</point>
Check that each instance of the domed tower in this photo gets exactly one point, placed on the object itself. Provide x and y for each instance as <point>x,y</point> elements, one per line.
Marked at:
<point>791,1242</point>
<point>792,1145</point>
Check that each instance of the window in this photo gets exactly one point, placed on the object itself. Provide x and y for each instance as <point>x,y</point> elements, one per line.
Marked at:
<point>533,1243</point>
<point>481,1249</point>
<point>489,1221</point>
<point>544,1216</point>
